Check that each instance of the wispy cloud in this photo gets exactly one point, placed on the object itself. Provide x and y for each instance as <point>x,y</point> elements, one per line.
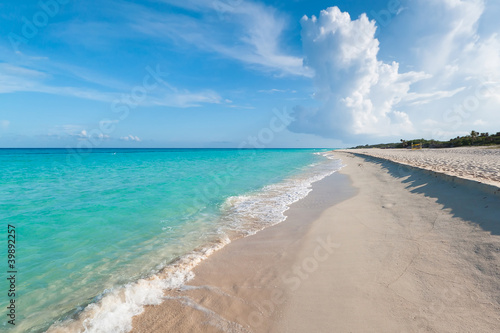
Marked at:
<point>272,91</point>
<point>14,78</point>
<point>185,99</point>
<point>18,79</point>
<point>245,31</point>
<point>53,69</point>
<point>414,98</point>
<point>241,107</point>
<point>257,43</point>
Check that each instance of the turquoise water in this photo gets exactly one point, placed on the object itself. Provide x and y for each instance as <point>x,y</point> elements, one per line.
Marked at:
<point>90,225</point>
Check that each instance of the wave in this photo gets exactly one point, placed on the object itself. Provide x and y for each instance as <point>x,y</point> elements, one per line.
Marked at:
<point>248,214</point>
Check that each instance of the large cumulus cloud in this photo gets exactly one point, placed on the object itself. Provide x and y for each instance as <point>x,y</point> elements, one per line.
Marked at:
<point>360,93</point>
<point>450,49</point>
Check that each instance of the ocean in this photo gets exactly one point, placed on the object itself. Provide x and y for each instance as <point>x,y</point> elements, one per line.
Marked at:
<point>100,234</point>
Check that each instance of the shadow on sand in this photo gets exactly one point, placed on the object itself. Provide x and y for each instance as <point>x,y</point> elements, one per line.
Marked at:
<point>468,200</point>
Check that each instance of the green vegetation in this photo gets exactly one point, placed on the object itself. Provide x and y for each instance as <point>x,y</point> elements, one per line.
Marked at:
<point>473,139</point>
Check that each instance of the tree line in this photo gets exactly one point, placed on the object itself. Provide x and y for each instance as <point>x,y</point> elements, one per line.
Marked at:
<point>473,139</point>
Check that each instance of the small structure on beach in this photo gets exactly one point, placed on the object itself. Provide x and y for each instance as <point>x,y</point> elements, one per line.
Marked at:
<point>416,146</point>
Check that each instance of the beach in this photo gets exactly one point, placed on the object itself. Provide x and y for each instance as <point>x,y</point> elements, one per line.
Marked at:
<point>182,166</point>
<point>375,247</point>
<point>481,164</point>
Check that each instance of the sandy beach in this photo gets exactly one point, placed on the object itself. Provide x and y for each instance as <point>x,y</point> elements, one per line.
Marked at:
<point>376,247</point>
<point>481,164</point>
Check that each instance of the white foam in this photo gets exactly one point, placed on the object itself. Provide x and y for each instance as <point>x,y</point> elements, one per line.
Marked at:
<point>249,214</point>
<point>116,308</point>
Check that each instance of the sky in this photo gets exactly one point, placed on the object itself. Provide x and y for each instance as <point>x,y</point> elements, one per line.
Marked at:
<point>246,74</point>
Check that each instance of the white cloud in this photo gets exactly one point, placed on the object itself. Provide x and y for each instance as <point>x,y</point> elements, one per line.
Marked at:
<point>358,91</point>
<point>424,98</point>
<point>242,30</point>
<point>242,107</point>
<point>184,99</point>
<point>18,78</point>
<point>274,90</point>
<point>75,132</point>
<point>15,78</point>
<point>450,50</point>
<point>84,135</point>
<point>130,137</point>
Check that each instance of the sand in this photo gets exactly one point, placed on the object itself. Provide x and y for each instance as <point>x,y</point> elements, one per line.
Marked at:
<point>373,248</point>
<point>475,163</point>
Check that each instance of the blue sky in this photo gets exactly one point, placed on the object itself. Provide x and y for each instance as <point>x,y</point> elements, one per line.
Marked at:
<point>238,73</point>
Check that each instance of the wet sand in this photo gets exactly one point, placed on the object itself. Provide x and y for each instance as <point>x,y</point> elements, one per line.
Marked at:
<point>376,247</point>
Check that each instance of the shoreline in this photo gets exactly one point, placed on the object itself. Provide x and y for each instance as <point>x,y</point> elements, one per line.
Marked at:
<point>245,299</point>
<point>115,307</point>
<point>383,256</point>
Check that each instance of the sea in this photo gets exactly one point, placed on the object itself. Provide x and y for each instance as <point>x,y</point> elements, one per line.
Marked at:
<point>100,234</point>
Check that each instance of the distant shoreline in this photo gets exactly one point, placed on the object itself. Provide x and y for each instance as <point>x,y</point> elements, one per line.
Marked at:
<point>474,139</point>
